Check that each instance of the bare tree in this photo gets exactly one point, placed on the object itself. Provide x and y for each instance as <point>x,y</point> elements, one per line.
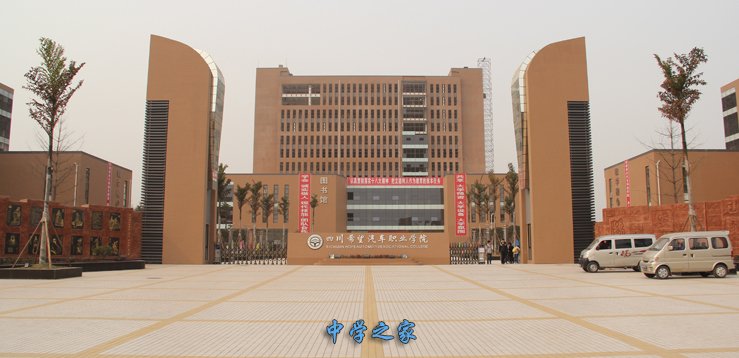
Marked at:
<point>679,93</point>
<point>492,189</point>
<point>511,179</point>
<point>53,84</point>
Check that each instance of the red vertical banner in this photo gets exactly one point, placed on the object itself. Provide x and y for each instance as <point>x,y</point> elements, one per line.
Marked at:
<point>460,204</point>
<point>628,183</point>
<point>110,175</point>
<point>304,204</point>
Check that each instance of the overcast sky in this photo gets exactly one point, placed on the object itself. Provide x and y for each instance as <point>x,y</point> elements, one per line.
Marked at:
<point>369,38</point>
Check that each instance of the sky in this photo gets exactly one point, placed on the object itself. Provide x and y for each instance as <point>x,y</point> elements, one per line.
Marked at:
<point>369,38</point>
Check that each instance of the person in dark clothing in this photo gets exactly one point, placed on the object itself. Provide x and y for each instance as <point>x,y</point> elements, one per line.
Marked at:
<point>503,252</point>
<point>509,253</point>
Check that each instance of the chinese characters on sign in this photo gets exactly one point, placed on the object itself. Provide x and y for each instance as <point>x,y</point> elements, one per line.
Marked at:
<point>395,181</point>
<point>460,204</point>
<point>304,204</point>
<point>405,331</point>
<point>378,240</point>
<point>323,199</point>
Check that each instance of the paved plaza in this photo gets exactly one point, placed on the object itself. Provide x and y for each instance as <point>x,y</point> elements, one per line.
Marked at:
<point>283,311</point>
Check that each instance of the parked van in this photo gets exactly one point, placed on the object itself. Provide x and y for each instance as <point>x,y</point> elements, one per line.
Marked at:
<point>615,251</point>
<point>704,252</point>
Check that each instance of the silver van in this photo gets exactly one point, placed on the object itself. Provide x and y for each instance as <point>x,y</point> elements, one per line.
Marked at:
<point>615,251</point>
<point>703,252</point>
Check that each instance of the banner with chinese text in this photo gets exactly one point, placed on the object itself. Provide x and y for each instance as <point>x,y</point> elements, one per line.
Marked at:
<point>304,204</point>
<point>460,204</point>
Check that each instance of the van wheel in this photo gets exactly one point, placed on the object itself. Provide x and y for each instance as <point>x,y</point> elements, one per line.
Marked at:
<point>593,266</point>
<point>720,271</point>
<point>649,275</point>
<point>636,268</point>
<point>662,272</point>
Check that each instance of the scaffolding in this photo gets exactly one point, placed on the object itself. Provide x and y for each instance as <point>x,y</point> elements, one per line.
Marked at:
<point>487,90</point>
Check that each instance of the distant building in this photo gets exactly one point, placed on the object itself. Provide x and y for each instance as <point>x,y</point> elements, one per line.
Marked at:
<point>551,111</point>
<point>655,178</point>
<point>6,109</point>
<point>184,112</point>
<point>369,126</point>
<point>79,179</point>
<point>731,121</point>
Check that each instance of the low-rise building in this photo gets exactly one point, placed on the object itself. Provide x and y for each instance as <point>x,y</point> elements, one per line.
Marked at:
<point>655,178</point>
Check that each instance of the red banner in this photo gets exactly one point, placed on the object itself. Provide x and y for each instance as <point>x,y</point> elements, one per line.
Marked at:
<point>110,175</point>
<point>405,181</point>
<point>628,183</point>
<point>304,204</point>
<point>460,201</point>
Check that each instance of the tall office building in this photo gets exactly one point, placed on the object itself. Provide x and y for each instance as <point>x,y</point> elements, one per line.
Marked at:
<point>184,111</point>
<point>731,121</point>
<point>552,125</point>
<point>6,108</point>
<point>369,126</point>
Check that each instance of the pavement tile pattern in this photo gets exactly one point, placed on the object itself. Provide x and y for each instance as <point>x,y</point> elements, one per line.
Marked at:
<point>282,311</point>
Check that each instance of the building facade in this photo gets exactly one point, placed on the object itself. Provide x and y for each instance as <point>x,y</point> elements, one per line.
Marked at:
<point>731,121</point>
<point>79,179</point>
<point>184,112</point>
<point>369,126</point>
<point>363,206</point>
<point>6,109</point>
<point>552,126</point>
<point>655,178</point>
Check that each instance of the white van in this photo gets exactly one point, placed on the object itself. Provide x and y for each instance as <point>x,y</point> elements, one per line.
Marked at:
<point>704,252</point>
<point>615,251</point>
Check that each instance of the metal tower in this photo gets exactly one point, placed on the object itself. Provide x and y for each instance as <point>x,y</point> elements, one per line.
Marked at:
<point>487,91</point>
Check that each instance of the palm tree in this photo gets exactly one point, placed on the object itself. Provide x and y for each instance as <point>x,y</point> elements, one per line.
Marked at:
<point>221,194</point>
<point>240,195</point>
<point>313,205</point>
<point>511,179</point>
<point>679,93</point>
<point>479,199</point>
<point>283,206</point>
<point>53,84</point>
<point>254,202</point>
<point>268,207</point>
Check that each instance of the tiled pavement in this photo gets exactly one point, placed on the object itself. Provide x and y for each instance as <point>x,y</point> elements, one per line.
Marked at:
<point>283,311</point>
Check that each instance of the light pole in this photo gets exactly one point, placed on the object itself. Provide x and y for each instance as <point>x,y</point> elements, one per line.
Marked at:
<point>76,167</point>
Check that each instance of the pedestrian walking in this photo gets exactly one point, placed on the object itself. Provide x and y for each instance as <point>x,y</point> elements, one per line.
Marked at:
<point>489,252</point>
<point>516,252</point>
<point>503,252</point>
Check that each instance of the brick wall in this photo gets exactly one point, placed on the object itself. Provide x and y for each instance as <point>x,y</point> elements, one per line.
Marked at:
<point>658,220</point>
<point>71,225</point>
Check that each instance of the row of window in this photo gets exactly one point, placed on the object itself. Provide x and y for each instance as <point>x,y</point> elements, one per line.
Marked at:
<point>362,140</point>
<point>399,217</point>
<point>365,153</point>
<point>408,87</point>
<point>367,114</point>
<point>365,169</point>
<point>368,127</point>
<point>367,101</point>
